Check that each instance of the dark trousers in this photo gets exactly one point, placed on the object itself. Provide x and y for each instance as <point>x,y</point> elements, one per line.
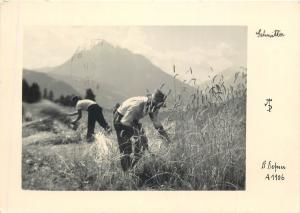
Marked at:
<point>124,136</point>
<point>95,114</point>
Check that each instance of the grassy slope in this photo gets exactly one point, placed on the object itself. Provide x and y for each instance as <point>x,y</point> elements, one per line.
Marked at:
<point>207,153</point>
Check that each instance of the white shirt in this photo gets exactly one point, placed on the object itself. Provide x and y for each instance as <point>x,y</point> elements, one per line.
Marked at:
<point>84,104</point>
<point>134,109</point>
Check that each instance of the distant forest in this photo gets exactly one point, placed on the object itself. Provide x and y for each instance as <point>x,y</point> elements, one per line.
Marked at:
<point>32,94</point>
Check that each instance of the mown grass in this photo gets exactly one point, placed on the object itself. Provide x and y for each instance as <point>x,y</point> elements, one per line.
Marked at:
<point>208,150</point>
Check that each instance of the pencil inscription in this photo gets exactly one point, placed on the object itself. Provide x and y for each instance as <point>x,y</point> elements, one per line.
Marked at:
<point>273,170</point>
<point>263,33</point>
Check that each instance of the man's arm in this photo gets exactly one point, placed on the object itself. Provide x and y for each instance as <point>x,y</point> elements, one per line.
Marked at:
<point>72,113</point>
<point>79,113</point>
<point>159,127</point>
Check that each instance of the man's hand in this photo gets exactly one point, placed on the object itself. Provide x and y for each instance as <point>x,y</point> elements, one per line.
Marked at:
<point>74,122</point>
<point>75,126</point>
<point>164,135</point>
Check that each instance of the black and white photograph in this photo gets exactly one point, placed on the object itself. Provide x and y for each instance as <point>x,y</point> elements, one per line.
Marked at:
<point>134,108</point>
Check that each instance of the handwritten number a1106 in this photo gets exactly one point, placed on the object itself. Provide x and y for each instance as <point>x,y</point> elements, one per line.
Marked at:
<point>274,177</point>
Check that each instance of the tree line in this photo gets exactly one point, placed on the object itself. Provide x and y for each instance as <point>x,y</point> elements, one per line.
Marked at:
<point>31,94</point>
<point>67,100</point>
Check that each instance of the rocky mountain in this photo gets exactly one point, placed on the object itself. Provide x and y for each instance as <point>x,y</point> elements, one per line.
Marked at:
<point>113,73</point>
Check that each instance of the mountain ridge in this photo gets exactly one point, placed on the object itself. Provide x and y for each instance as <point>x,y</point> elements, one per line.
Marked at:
<point>114,69</point>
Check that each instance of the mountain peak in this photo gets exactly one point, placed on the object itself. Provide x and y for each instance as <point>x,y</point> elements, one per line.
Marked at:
<point>119,72</point>
<point>94,44</point>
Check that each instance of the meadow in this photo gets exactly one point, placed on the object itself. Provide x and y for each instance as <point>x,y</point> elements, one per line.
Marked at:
<point>208,151</point>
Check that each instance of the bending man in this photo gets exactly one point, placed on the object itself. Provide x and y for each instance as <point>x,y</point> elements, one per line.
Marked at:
<point>126,123</point>
<point>94,114</point>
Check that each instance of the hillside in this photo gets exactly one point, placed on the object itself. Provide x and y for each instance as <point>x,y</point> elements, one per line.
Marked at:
<point>44,81</point>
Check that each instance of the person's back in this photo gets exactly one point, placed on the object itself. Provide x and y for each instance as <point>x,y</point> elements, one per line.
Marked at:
<point>84,104</point>
<point>133,109</point>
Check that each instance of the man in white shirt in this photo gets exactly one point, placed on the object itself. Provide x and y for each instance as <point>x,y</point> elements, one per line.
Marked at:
<point>126,123</point>
<point>94,114</point>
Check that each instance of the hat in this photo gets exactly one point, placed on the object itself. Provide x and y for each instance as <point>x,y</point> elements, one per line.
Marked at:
<point>158,96</point>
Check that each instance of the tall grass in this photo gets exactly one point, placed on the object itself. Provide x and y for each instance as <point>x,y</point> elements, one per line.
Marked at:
<point>207,129</point>
<point>208,150</point>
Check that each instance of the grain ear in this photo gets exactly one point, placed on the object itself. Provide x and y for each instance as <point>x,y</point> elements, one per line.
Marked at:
<point>167,94</point>
<point>161,86</point>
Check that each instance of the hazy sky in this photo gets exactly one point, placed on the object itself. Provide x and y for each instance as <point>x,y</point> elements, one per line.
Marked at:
<point>199,47</point>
